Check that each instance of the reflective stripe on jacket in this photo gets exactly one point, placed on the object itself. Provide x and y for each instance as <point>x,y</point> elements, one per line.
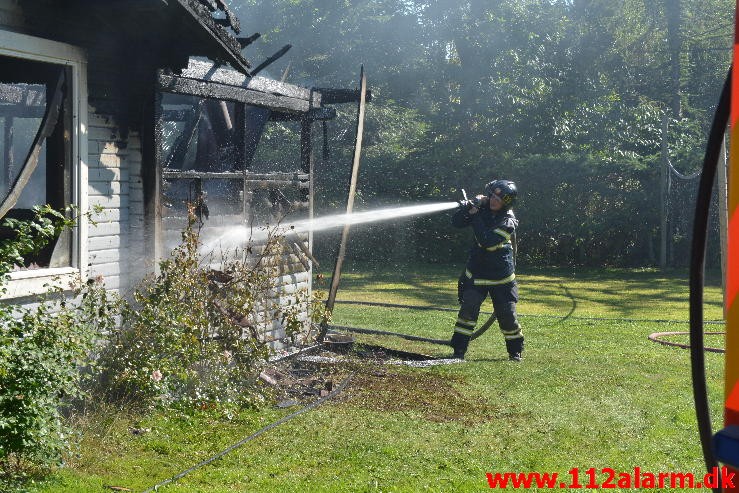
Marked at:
<point>490,259</point>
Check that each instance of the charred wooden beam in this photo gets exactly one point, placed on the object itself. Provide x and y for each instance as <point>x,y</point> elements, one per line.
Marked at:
<point>244,42</point>
<point>181,145</point>
<point>230,175</point>
<point>224,40</point>
<point>213,90</point>
<point>324,131</point>
<point>230,16</point>
<point>230,21</point>
<point>264,184</point>
<point>306,155</point>
<point>197,70</point>
<point>7,177</point>
<point>152,175</point>
<point>271,86</point>
<point>331,95</point>
<point>269,61</point>
<point>315,114</point>
<point>251,181</point>
<point>45,130</point>
<point>209,4</point>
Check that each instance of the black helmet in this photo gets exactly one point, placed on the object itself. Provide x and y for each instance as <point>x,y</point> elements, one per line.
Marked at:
<point>505,189</point>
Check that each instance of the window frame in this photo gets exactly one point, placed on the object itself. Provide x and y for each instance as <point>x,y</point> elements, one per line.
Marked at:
<point>32,48</point>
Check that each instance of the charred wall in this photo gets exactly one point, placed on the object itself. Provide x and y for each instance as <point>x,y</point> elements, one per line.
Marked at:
<point>119,88</point>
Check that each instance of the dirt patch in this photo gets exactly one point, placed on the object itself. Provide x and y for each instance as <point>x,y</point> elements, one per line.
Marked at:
<point>419,393</point>
<point>376,385</point>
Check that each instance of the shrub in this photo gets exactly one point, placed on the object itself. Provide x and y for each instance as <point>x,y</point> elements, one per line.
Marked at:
<point>41,352</point>
<point>191,335</point>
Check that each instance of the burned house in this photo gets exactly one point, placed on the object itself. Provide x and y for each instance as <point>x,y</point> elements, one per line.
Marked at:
<point>138,106</point>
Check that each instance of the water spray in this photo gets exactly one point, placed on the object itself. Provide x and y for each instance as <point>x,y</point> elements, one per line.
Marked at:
<point>236,236</point>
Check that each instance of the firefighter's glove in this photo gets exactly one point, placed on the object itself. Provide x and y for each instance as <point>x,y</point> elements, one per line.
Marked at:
<point>479,202</point>
<point>472,206</point>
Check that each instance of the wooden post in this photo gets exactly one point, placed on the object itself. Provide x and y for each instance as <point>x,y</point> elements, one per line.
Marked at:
<point>151,171</point>
<point>306,166</point>
<point>9,165</point>
<point>350,202</point>
<point>663,170</point>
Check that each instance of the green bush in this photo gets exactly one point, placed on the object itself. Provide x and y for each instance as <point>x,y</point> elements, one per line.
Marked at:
<point>189,337</point>
<point>41,352</point>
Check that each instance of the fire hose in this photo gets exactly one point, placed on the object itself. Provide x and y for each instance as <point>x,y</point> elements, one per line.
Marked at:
<point>238,444</point>
<point>697,267</point>
<point>444,342</point>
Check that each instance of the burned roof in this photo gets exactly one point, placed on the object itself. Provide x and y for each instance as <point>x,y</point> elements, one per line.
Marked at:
<point>169,31</point>
<point>221,44</point>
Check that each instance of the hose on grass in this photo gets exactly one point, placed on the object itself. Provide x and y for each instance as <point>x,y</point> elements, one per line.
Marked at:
<point>697,274</point>
<point>443,342</point>
<point>524,315</point>
<point>657,337</point>
<point>238,444</point>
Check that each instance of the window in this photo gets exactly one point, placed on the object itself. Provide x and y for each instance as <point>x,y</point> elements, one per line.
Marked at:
<point>41,144</point>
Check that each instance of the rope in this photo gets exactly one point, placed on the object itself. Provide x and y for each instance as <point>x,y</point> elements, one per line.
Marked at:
<point>238,444</point>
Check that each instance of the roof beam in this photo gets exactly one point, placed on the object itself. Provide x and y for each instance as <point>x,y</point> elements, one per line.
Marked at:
<point>197,70</point>
<point>214,90</point>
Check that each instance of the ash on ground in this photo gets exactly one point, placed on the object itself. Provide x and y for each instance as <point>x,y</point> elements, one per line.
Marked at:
<point>302,376</point>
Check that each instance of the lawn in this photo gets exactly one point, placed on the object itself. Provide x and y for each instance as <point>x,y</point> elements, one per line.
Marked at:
<point>593,391</point>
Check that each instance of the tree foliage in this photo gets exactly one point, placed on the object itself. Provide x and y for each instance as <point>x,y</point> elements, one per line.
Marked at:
<point>467,90</point>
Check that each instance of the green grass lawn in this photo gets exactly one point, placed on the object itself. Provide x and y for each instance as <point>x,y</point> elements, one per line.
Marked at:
<point>593,391</point>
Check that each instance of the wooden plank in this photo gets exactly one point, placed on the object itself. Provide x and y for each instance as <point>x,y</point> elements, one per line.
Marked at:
<point>96,243</point>
<point>225,41</point>
<point>98,174</point>
<point>262,184</point>
<point>106,189</point>
<point>104,229</point>
<point>105,256</point>
<point>277,176</point>
<point>105,161</point>
<point>335,278</point>
<point>28,286</point>
<point>295,278</point>
<point>108,270</point>
<point>314,114</point>
<point>112,202</point>
<point>213,90</point>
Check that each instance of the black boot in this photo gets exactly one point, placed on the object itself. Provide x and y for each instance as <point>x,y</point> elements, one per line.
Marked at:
<point>515,349</point>
<point>460,343</point>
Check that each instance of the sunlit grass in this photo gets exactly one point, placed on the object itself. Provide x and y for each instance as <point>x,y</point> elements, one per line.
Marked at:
<point>614,293</point>
<point>590,393</point>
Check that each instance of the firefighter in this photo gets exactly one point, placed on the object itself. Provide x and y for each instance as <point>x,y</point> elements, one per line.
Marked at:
<point>490,266</point>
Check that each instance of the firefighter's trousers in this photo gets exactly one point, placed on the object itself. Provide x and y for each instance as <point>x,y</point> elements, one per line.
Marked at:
<point>504,298</point>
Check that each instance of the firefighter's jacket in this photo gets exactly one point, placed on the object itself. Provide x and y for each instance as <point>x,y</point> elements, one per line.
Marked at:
<point>491,256</point>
